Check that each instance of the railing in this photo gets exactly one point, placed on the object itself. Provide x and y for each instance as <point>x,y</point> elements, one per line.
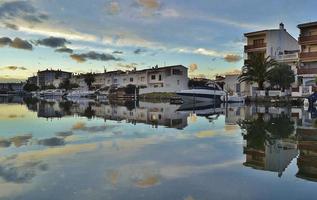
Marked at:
<point>254,46</point>
<point>310,38</point>
<point>307,71</point>
<point>293,56</point>
<point>308,55</point>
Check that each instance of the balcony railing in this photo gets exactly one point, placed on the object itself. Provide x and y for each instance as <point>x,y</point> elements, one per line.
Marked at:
<point>254,46</point>
<point>308,56</point>
<point>307,71</point>
<point>304,39</point>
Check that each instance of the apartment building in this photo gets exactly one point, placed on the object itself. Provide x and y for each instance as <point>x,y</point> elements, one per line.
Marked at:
<point>307,70</point>
<point>277,44</point>
<point>51,77</point>
<point>155,79</point>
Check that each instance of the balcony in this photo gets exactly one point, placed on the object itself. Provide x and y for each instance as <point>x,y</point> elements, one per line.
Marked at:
<point>307,71</point>
<point>308,39</point>
<point>254,47</point>
<point>308,56</point>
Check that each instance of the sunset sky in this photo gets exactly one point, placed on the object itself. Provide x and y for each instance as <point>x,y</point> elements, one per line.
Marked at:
<point>90,35</point>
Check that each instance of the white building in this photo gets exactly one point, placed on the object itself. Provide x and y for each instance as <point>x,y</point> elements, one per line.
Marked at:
<point>234,87</point>
<point>51,77</point>
<point>156,79</point>
<point>277,44</point>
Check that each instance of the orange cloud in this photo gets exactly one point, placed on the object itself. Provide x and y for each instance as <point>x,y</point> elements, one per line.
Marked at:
<point>193,67</point>
<point>149,4</point>
<point>232,58</point>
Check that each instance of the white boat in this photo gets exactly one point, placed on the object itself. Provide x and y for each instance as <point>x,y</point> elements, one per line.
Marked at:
<point>51,93</point>
<point>233,99</point>
<point>80,93</point>
<point>212,92</point>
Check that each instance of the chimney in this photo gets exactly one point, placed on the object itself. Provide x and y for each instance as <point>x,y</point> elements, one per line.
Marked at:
<point>282,26</point>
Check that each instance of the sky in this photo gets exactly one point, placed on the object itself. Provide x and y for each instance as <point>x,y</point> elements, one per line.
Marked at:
<point>89,36</point>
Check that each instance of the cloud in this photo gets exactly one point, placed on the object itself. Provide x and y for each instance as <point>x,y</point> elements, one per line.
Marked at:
<point>171,13</point>
<point>92,55</point>
<point>21,44</point>
<point>22,173</point>
<point>139,51</point>
<point>149,4</point>
<point>52,142</point>
<point>78,58</point>
<point>11,26</point>
<point>16,43</point>
<point>64,50</point>
<point>13,68</point>
<point>193,67</point>
<point>113,8</point>
<point>232,58</point>
<point>4,41</point>
<point>23,10</point>
<point>233,72</point>
<point>79,125</point>
<point>117,52</point>
<point>53,42</point>
<point>127,66</point>
<point>64,134</point>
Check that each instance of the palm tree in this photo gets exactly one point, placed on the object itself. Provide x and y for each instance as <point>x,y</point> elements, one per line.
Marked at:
<point>282,76</point>
<point>257,70</point>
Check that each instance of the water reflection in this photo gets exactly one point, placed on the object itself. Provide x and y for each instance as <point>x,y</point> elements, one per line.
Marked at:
<point>154,148</point>
<point>270,142</point>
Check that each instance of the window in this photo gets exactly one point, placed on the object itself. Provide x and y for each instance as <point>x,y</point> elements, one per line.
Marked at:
<point>177,72</point>
<point>258,41</point>
<point>142,78</point>
<point>131,79</point>
<point>115,80</point>
<point>153,77</point>
<point>124,80</point>
<point>160,77</point>
<point>177,82</point>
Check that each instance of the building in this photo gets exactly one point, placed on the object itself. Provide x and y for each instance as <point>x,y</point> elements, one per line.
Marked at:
<point>11,87</point>
<point>277,44</point>
<point>233,86</point>
<point>307,70</point>
<point>51,77</point>
<point>156,79</point>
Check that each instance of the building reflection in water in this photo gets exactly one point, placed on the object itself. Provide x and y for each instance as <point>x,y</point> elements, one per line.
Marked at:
<point>273,136</point>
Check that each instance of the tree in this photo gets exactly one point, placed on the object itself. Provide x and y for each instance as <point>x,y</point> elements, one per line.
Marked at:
<point>257,70</point>
<point>281,76</point>
<point>67,85</point>
<point>29,87</point>
<point>89,78</point>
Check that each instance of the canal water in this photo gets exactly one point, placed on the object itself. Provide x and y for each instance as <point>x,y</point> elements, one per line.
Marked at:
<point>83,150</point>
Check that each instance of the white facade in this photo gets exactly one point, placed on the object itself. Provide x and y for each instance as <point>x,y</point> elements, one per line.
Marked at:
<point>277,44</point>
<point>233,86</point>
<point>164,79</point>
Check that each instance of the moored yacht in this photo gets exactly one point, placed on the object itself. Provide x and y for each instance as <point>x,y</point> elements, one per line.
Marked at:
<point>212,92</point>
<point>80,93</point>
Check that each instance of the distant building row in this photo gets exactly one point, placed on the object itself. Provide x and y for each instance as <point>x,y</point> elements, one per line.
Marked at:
<point>156,79</point>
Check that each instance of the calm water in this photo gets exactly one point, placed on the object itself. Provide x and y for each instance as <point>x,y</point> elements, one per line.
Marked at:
<point>88,150</point>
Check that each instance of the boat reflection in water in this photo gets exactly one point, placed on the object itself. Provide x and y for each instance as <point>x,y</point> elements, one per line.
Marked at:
<point>124,149</point>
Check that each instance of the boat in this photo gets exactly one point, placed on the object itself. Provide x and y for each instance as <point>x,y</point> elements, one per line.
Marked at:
<point>51,93</point>
<point>201,109</point>
<point>80,94</point>
<point>212,92</point>
<point>233,99</point>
